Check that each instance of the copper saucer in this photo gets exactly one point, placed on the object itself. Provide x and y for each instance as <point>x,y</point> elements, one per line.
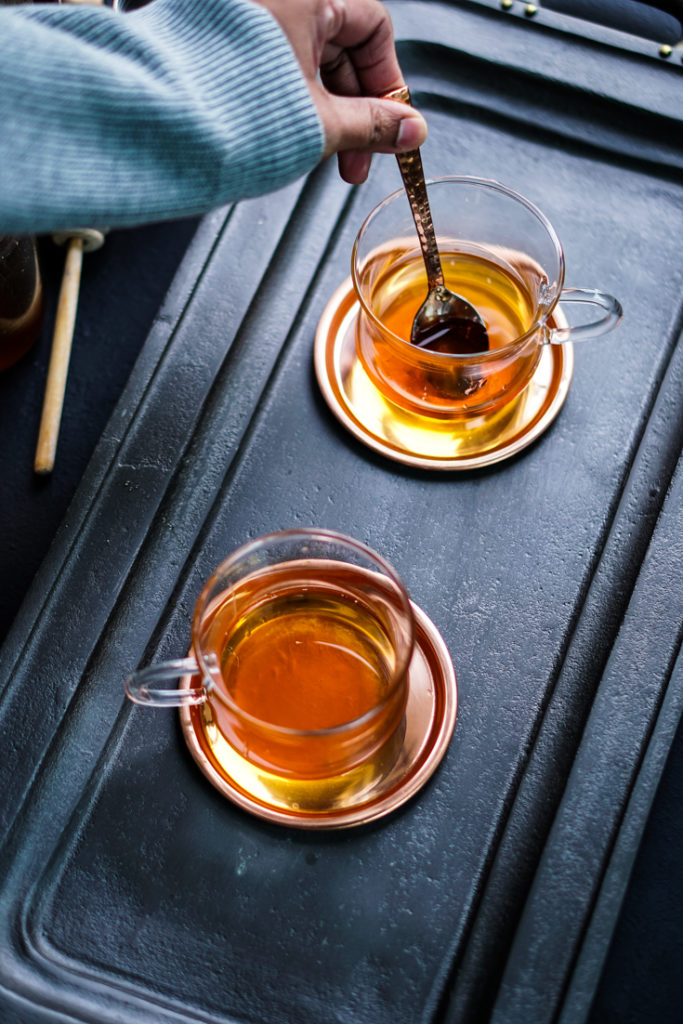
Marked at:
<point>429,722</point>
<point>414,440</point>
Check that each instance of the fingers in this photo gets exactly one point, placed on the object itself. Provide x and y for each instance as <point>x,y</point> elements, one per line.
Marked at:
<point>354,166</point>
<point>357,126</point>
<point>359,57</point>
<point>357,65</point>
<point>347,53</point>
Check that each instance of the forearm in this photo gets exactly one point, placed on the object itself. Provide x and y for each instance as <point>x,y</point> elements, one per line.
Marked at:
<point>165,112</point>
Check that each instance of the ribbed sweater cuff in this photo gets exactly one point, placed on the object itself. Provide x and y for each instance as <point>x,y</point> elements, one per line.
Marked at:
<point>163,112</point>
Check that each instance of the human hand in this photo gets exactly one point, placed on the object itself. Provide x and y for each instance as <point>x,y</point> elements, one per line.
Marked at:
<point>346,51</point>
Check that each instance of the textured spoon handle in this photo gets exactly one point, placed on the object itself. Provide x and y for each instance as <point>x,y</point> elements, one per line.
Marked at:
<point>410,165</point>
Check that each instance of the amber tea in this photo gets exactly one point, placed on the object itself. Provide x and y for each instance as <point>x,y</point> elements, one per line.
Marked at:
<point>497,290</point>
<point>304,653</point>
<point>502,255</point>
<point>301,646</point>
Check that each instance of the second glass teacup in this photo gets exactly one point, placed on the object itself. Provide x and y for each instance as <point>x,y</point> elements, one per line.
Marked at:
<point>501,254</point>
<point>301,643</point>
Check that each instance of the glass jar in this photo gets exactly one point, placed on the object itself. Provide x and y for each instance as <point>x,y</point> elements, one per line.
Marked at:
<point>21,298</point>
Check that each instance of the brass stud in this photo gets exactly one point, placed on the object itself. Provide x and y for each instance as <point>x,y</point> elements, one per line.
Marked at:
<point>530,10</point>
<point>665,50</point>
<point>506,4</point>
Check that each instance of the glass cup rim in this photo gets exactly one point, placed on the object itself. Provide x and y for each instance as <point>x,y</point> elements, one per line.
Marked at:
<point>445,359</point>
<point>310,533</point>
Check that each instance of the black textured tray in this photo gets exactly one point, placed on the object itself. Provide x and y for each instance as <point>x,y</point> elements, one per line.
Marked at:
<point>130,890</point>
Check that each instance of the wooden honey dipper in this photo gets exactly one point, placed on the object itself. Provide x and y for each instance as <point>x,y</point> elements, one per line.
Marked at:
<point>78,241</point>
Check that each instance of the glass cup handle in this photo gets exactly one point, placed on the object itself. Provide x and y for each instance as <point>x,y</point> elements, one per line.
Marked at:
<point>140,686</point>
<point>611,315</point>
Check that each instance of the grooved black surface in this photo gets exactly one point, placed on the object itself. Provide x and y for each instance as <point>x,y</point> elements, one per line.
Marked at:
<point>132,892</point>
<point>640,984</point>
<point>123,286</point>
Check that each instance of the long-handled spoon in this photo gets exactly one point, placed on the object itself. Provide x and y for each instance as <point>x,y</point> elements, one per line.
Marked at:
<point>445,322</point>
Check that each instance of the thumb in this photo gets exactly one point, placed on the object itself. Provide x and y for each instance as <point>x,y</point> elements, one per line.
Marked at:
<point>370,125</point>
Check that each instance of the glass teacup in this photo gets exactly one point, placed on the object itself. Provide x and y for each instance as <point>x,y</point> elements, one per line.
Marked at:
<point>501,254</point>
<point>301,643</point>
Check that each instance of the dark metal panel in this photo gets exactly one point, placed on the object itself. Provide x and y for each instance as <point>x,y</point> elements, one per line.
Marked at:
<point>636,709</point>
<point>579,678</point>
<point>661,21</point>
<point>640,975</point>
<point>132,891</point>
<point>121,502</point>
<point>122,287</point>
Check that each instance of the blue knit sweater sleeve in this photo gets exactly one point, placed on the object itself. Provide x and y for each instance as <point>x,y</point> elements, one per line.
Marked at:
<point>111,119</point>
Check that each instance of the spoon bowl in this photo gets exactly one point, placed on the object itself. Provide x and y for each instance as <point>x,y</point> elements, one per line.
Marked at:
<point>445,322</point>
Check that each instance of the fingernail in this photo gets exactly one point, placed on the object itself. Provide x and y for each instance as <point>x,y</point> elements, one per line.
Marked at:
<point>412,131</point>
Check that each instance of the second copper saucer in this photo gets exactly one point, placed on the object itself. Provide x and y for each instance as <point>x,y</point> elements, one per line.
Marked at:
<point>429,723</point>
<point>412,439</point>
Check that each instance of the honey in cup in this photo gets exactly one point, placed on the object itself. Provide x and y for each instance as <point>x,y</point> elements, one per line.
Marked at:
<point>304,640</point>
<point>501,254</point>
